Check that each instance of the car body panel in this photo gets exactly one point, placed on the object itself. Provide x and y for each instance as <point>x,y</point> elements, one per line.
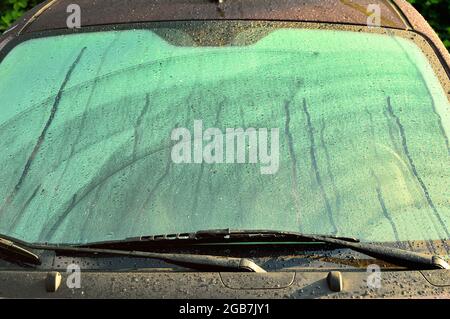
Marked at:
<point>311,284</point>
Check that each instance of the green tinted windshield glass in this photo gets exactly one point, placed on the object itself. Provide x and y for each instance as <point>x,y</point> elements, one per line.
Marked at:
<point>116,134</point>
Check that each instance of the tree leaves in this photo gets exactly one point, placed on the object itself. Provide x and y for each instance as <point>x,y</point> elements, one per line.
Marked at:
<point>11,10</point>
<point>436,13</point>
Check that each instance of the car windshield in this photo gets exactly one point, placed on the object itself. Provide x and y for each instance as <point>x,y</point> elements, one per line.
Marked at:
<point>182,126</point>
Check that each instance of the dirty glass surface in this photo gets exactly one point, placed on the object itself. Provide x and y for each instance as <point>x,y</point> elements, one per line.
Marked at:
<point>86,124</point>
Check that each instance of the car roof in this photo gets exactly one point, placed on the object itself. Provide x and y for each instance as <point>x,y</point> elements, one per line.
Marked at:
<point>101,12</point>
<point>395,14</point>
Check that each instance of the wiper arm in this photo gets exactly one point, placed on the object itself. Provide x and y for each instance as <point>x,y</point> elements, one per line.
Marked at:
<point>18,253</point>
<point>186,260</point>
<point>396,256</point>
<point>21,253</point>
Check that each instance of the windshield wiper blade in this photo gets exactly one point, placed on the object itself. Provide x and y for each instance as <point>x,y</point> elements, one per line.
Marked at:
<point>396,256</point>
<point>269,235</point>
<point>214,236</point>
<point>18,253</point>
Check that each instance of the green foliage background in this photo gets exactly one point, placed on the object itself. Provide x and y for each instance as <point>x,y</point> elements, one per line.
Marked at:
<point>435,11</point>
<point>11,10</point>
